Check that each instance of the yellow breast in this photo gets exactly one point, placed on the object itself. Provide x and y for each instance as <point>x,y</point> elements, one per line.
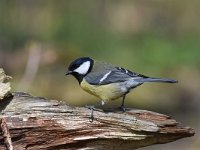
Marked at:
<point>104,92</point>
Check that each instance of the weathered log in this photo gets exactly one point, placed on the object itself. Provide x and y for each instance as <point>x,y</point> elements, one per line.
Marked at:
<point>4,84</point>
<point>37,123</point>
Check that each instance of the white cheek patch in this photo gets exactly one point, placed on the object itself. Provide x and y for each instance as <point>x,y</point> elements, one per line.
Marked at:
<point>83,69</point>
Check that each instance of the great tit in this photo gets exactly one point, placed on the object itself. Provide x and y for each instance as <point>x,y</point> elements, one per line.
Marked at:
<point>107,81</point>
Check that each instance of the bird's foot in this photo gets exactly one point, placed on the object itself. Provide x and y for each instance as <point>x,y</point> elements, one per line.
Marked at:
<point>91,118</point>
<point>92,108</point>
<point>122,108</point>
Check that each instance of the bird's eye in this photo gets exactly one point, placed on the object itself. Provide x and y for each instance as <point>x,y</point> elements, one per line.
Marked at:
<point>76,65</point>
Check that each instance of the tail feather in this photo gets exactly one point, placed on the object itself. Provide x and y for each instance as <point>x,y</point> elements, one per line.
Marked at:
<point>156,80</point>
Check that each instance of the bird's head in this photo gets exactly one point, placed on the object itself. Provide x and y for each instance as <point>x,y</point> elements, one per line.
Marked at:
<point>80,67</point>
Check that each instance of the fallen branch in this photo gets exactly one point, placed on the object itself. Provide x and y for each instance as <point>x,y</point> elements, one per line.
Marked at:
<point>37,123</point>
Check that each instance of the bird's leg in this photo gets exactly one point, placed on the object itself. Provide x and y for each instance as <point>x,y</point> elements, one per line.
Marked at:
<point>93,108</point>
<point>91,118</point>
<point>122,105</point>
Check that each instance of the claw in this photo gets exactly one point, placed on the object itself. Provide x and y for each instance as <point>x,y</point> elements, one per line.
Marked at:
<point>121,108</point>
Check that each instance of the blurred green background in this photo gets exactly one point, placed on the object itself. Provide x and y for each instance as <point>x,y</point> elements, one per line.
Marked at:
<point>38,40</point>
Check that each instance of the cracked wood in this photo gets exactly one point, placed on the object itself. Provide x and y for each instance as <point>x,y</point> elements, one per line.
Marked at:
<point>38,123</point>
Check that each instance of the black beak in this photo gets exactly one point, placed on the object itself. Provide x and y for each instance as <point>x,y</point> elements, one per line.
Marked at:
<point>68,72</point>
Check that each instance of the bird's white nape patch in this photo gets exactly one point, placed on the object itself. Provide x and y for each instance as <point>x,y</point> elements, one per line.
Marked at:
<point>83,68</point>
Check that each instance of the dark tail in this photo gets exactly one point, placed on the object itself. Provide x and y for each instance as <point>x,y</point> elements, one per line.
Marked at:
<point>156,80</point>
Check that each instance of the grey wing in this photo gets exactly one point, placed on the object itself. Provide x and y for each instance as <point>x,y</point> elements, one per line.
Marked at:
<point>111,74</point>
<point>120,75</point>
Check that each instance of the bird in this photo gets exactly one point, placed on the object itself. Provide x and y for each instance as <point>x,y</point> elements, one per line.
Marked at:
<point>107,81</point>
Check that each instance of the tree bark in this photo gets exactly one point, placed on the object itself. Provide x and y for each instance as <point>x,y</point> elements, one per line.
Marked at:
<point>37,123</point>
<point>4,84</point>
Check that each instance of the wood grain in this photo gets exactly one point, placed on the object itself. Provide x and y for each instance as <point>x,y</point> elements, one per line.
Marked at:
<point>38,123</point>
